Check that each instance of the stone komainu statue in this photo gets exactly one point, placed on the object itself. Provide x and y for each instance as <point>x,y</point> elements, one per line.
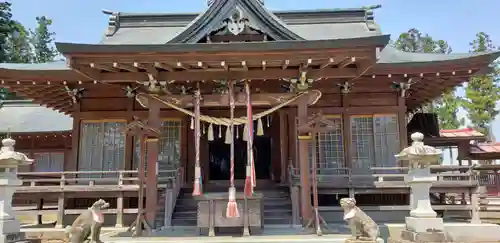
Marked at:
<point>362,227</point>
<point>88,224</point>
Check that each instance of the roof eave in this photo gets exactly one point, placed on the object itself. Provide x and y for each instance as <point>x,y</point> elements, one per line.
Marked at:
<point>375,41</point>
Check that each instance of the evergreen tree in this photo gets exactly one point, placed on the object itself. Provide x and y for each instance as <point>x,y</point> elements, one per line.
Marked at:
<point>18,46</point>
<point>482,92</point>
<point>42,40</point>
<point>446,106</point>
<point>5,28</point>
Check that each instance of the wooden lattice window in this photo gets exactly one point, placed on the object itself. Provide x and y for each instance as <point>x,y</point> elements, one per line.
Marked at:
<point>330,147</point>
<point>375,141</point>
<point>102,146</point>
<point>169,146</point>
<point>48,162</point>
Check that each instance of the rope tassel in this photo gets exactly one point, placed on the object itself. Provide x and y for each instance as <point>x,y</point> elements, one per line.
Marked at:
<point>232,206</point>
<point>197,181</point>
<point>248,181</point>
<point>192,124</point>
<point>245,132</point>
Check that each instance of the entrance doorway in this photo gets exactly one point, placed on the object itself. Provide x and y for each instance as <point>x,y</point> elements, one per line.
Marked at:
<point>219,154</point>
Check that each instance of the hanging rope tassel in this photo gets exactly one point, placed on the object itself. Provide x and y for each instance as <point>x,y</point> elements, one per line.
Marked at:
<point>203,128</point>
<point>237,132</point>
<point>229,137</point>
<point>248,181</point>
<point>232,206</point>
<point>197,181</point>
<point>260,127</point>
<point>220,131</point>
<point>192,124</point>
<point>210,135</point>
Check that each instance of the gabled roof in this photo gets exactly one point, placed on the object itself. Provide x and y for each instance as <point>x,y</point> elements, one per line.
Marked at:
<point>25,116</point>
<point>160,28</point>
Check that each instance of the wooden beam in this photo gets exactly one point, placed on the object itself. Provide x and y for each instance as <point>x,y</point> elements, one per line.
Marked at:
<point>234,75</point>
<point>164,66</point>
<point>126,67</point>
<point>259,99</point>
<point>202,65</point>
<point>180,65</point>
<point>285,64</point>
<point>223,64</point>
<point>347,62</point>
<point>330,62</point>
<point>104,67</point>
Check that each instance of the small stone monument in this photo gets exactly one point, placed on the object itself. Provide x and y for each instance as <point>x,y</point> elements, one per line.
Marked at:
<point>10,160</point>
<point>423,225</point>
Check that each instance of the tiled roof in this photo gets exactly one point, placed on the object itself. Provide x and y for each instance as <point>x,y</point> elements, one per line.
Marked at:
<point>458,133</point>
<point>482,148</point>
<point>24,116</point>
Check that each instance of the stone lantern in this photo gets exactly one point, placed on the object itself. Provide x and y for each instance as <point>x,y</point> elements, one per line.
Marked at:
<point>423,221</point>
<point>10,160</point>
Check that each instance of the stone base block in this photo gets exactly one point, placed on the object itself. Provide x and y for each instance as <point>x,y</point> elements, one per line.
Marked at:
<point>421,237</point>
<point>11,238</point>
<point>424,224</point>
<point>378,240</point>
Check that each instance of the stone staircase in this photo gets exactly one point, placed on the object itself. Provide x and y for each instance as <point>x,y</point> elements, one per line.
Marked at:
<point>277,205</point>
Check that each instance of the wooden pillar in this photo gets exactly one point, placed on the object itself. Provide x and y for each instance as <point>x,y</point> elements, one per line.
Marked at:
<point>292,139</point>
<point>283,146</point>
<point>75,139</point>
<point>60,211</point>
<point>403,132</point>
<point>306,206</point>
<point>128,164</point>
<point>152,170</point>
<point>119,210</point>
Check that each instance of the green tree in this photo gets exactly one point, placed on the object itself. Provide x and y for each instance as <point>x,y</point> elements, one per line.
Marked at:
<point>482,92</point>
<point>42,40</point>
<point>446,106</point>
<point>18,46</point>
<point>5,28</point>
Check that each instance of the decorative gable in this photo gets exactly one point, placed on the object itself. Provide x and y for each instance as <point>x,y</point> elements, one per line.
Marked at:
<point>235,20</point>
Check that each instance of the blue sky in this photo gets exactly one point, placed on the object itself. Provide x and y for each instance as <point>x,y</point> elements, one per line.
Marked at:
<point>454,21</point>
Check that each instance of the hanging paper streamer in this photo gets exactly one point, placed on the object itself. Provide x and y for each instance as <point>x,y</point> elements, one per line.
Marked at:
<point>210,135</point>
<point>192,124</point>
<point>245,132</point>
<point>260,128</point>
<point>229,137</point>
<point>220,131</point>
<point>197,134</point>
<point>232,206</point>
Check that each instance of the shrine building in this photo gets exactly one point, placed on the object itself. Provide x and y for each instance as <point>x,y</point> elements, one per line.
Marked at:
<point>231,94</point>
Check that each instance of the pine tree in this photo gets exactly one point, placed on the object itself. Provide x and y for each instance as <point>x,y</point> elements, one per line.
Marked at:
<point>5,28</point>
<point>482,92</point>
<point>18,46</point>
<point>446,106</point>
<point>42,40</point>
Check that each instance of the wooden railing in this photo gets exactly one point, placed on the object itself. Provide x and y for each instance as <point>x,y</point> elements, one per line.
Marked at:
<point>88,184</point>
<point>386,177</point>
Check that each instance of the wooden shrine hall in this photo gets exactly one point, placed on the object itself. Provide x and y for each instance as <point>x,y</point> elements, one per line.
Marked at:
<point>241,101</point>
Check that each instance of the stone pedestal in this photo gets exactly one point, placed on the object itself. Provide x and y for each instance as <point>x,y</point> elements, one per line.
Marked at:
<point>9,162</point>
<point>378,240</point>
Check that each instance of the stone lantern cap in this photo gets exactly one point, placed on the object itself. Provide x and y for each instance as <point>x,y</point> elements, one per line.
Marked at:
<point>10,158</point>
<point>418,151</point>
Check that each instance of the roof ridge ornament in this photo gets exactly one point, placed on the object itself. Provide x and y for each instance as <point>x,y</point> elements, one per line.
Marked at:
<point>209,2</point>
<point>113,22</point>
